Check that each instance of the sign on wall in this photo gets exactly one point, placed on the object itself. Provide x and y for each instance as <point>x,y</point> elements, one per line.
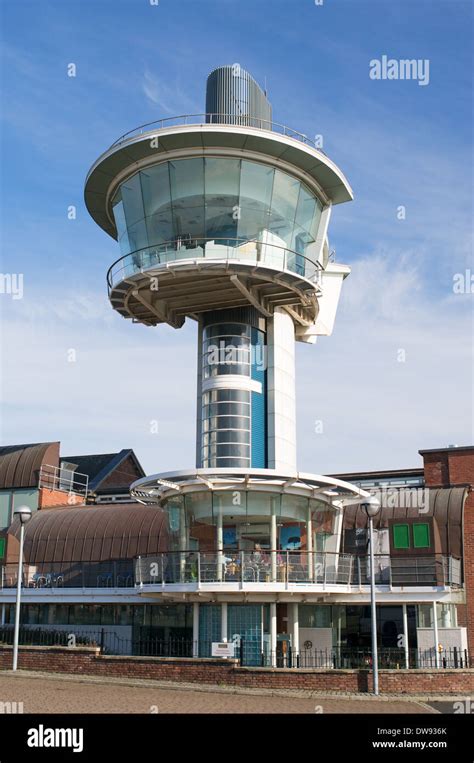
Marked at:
<point>222,649</point>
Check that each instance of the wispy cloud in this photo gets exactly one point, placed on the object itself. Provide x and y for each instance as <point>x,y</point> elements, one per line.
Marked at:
<point>167,95</point>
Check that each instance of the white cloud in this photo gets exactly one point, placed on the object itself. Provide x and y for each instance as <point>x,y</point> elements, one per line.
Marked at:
<point>376,411</point>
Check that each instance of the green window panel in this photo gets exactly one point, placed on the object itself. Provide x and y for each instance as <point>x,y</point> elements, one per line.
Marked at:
<point>401,536</point>
<point>2,548</point>
<point>421,535</point>
<point>5,508</point>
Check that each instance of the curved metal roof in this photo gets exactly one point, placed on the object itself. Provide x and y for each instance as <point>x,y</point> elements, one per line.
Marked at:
<point>94,533</point>
<point>20,464</point>
<point>446,506</point>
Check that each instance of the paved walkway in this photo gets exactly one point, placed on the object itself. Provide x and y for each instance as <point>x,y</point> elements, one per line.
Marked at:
<point>54,693</point>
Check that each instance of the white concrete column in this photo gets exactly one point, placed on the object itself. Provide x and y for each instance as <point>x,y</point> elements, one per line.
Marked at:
<point>273,540</point>
<point>405,636</point>
<point>309,543</point>
<point>435,633</point>
<point>219,542</point>
<point>182,544</point>
<point>199,398</point>
<point>273,633</point>
<point>224,621</point>
<point>295,646</point>
<point>281,403</point>
<point>196,629</point>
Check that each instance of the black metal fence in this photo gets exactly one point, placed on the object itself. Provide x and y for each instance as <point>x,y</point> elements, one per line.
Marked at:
<point>145,642</point>
<point>142,642</point>
<point>360,658</point>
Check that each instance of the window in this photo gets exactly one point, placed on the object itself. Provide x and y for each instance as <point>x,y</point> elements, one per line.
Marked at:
<point>193,199</point>
<point>401,536</point>
<point>2,548</point>
<point>421,536</point>
<point>315,616</point>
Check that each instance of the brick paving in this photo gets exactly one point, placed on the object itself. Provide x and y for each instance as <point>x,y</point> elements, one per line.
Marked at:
<point>46,693</point>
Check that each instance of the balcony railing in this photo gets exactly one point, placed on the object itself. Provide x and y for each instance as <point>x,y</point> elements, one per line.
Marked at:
<point>57,478</point>
<point>228,249</point>
<point>110,574</point>
<point>291,567</point>
<point>217,118</point>
<point>266,567</point>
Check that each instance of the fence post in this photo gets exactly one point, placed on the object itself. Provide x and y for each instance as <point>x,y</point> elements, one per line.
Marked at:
<point>102,639</point>
<point>241,651</point>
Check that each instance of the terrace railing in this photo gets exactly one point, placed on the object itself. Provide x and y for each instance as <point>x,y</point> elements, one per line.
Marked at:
<point>216,118</point>
<point>57,478</point>
<point>240,567</point>
<point>110,574</point>
<point>289,567</point>
<point>227,249</point>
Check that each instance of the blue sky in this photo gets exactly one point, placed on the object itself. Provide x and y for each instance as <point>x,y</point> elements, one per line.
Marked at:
<point>397,142</point>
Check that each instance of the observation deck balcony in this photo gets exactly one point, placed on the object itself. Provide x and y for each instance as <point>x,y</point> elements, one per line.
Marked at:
<point>176,279</point>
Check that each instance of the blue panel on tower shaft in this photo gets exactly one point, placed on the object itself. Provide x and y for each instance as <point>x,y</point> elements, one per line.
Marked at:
<point>259,402</point>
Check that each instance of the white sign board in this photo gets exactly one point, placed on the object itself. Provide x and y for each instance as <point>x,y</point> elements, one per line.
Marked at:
<point>222,649</point>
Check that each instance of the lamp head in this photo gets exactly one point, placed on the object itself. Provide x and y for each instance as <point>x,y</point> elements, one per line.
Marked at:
<point>23,513</point>
<point>371,506</point>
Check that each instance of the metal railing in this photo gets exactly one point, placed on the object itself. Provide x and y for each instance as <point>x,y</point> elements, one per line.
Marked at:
<point>147,641</point>
<point>57,478</point>
<point>143,641</point>
<point>242,567</point>
<point>352,658</point>
<point>244,250</point>
<point>216,119</point>
<point>110,574</point>
<point>291,567</point>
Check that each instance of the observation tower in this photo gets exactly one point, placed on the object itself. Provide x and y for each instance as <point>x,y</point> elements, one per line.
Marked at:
<point>222,218</point>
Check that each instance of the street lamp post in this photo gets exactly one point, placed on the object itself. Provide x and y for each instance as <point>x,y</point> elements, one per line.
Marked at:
<point>24,515</point>
<point>372,507</point>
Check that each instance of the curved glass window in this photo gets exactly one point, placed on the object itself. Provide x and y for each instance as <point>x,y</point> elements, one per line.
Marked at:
<point>226,350</point>
<point>227,436</point>
<point>223,409</point>
<point>233,420</point>
<point>188,202</point>
<point>225,396</point>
